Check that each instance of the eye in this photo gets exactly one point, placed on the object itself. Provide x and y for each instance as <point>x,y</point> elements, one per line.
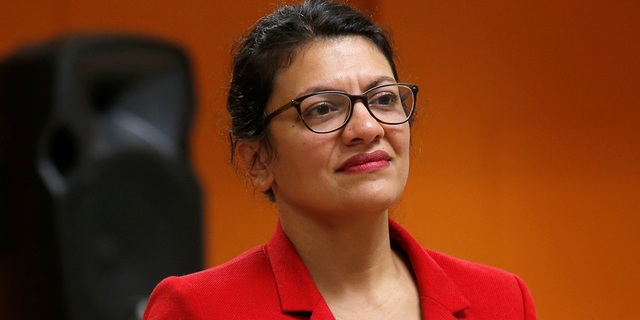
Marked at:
<point>384,98</point>
<point>321,109</point>
<point>324,106</point>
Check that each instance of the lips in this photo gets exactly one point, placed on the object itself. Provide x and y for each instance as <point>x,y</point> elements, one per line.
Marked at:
<point>366,162</point>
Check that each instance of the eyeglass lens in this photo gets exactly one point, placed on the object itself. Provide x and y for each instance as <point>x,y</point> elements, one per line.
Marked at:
<point>329,111</point>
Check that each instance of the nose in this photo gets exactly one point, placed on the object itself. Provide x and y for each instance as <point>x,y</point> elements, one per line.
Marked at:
<point>362,127</point>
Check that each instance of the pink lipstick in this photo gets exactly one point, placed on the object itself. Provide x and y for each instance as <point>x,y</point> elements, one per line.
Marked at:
<point>365,162</point>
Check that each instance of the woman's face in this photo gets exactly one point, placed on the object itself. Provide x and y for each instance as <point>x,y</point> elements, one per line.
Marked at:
<point>362,167</point>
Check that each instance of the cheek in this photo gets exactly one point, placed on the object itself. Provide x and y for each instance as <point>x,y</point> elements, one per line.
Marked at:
<point>401,143</point>
<point>302,153</point>
<point>400,140</point>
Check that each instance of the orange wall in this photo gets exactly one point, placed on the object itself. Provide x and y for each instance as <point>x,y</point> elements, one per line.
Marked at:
<point>527,150</point>
<point>530,143</point>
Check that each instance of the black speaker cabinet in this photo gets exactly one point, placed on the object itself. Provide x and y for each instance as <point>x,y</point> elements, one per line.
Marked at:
<point>99,202</point>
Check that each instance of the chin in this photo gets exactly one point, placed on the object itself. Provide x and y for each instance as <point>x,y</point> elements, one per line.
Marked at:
<point>371,197</point>
<point>374,199</point>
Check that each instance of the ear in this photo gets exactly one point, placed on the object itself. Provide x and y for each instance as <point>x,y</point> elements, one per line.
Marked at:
<point>254,159</point>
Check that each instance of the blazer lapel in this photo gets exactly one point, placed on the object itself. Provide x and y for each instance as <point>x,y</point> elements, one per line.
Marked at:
<point>296,289</point>
<point>432,310</point>
<point>440,297</point>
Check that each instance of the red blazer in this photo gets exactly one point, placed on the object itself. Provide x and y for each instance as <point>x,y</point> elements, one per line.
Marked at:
<point>272,282</point>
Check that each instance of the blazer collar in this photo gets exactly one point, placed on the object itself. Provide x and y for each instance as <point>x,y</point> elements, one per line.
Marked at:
<point>437,292</point>
<point>440,297</point>
<point>295,286</point>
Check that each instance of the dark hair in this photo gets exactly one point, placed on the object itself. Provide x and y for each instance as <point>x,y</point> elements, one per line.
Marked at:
<point>272,44</point>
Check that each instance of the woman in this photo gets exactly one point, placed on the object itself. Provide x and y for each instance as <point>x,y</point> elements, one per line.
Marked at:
<point>322,125</point>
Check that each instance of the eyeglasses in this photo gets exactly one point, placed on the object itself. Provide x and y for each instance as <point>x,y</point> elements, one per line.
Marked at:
<point>329,111</point>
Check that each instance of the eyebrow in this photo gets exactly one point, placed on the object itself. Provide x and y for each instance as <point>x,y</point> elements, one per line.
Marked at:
<point>376,82</point>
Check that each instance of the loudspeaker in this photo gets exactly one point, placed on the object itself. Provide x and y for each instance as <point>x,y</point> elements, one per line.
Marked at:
<point>99,200</point>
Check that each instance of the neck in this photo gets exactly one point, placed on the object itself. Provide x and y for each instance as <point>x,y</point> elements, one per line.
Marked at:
<point>348,256</point>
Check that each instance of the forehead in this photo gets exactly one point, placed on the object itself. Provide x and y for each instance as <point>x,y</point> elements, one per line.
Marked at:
<point>346,63</point>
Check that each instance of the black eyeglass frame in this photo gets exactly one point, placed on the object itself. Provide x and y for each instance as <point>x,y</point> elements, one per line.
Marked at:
<point>295,103</point>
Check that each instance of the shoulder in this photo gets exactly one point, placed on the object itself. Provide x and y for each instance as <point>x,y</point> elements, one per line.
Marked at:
<point>247,270</point>
<point>225,291</point>
<point>490,290</point>
<point>465,273</point>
